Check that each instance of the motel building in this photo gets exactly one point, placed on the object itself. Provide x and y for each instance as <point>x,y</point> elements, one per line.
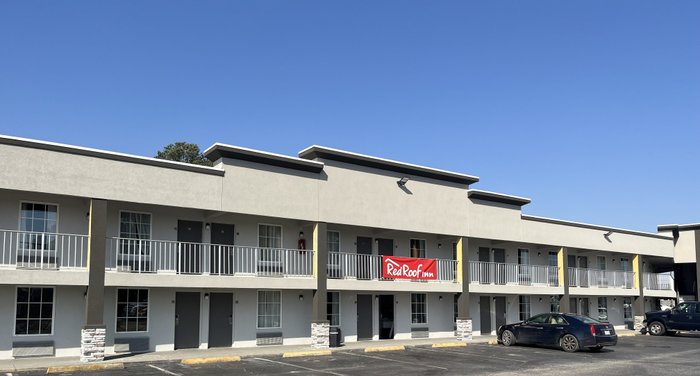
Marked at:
<point>105,253</point>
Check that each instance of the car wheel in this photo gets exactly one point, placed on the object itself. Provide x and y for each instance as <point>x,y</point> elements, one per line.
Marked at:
<point>569,343</point>
<point>657,329</point>
<point>507,338</point>
<point>596,348</point>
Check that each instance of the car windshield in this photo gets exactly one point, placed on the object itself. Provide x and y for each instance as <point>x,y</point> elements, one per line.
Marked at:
<point>586,319</point>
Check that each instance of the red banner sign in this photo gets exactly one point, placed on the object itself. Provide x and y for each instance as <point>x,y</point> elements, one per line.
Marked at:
<point>409,268</point>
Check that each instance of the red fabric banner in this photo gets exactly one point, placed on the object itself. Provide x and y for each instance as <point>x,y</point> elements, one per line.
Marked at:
<point>409,268</point>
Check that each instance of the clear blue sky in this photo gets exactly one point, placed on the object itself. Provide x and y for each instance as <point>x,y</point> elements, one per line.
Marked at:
<point>590,108</point>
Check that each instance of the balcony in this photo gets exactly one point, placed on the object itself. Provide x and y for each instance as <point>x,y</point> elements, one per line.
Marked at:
<point>182,258</point>
<point>582,277</point>
<point>657,281</point>
<point>493,273</point>
<point>42,250</point>
<point>345,265</point>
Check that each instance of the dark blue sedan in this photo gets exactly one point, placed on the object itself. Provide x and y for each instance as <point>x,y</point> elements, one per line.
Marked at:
<point>567,331</point>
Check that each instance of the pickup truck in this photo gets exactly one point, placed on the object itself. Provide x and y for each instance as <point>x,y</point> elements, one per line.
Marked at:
<point>684,317</point>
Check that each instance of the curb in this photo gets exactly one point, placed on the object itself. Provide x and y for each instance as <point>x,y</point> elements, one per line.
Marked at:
<point>626,335</point>
<point>385,348</point>
<point>449,344</point>
<point>296,354</point>
<point>493,342</point>
<point>218,359</point>
<point>85,368</point>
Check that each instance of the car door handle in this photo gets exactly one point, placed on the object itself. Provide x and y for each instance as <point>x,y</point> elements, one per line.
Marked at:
<point>559,327</point>
<point>539,328</point>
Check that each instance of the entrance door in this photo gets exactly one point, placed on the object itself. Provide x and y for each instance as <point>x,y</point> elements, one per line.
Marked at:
<point>190,234</point>
<point>386,316</point>
<point>385,248</point>
<point>499,259</point>
<point>485,314</point>
<point>222,238</point>
<point>186,320</point>
<point>364,261</point>
<point>573,306</point>
<point>584,307</point>
<point>364,316</point>
<point>500,311</point>
<point>220,319</point>
<point>583,264</point>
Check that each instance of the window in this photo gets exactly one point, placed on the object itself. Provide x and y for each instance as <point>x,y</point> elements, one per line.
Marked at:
<point>132,310</point>
<point>333,241</point>
<point>417,248</point>
<point>601,263</point>
<point>603,308</point>
<point>419,311</point>
<point>627,309</point>
<point>573,305</point>
<point>270,237</point>
<point>38,222</point>
<point>523,257</point>
<point>553,270</point>
<point>625,264</point>
<point>524,274</point>
<point>553,259</point>
<point>524,307</point>
<point>539,319</point>
<point>269,309</point>
<point>685,308</point>
<point>554,305</point>
<point>333,307</point>
<point>134,229</point>
<point>34,311</point>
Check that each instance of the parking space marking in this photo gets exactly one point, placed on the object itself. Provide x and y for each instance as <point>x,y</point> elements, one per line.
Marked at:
<point>164,370</point>
<point>300,367</point>
<point>396,361</point>
<point>476,355</point>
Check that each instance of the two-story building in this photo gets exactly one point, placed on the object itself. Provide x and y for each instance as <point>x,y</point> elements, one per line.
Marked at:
<point>104,252</point>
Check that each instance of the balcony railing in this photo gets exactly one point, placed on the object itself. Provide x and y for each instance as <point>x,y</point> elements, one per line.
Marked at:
<point>581,277</point>
<point>346,265</point>
<point>494,273</point>
<point>162,256</point>
<point>42,250</point>
<point>656,281</point>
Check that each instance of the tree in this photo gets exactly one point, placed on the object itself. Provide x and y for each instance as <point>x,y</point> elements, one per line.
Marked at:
<point>183,152</point>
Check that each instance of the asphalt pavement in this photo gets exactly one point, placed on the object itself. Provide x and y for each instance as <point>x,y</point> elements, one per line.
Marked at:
<point>638,356</point>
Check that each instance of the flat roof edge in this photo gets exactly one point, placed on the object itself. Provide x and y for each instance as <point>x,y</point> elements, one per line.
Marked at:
<point>110,155</point>
<point>593,227</point>
<point>686,227</point>
<point>497,197</point>
<point>317,151</point>
<point>219,150</point>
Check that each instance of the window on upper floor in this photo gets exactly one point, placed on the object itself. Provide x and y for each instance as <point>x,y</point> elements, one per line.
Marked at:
<point>417,248</point>
<point>38,224</point>
<point>333,238</point>
<point>134,233</point>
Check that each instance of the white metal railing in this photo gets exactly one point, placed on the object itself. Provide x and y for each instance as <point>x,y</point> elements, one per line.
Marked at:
<point>164,256</point>
<point>494,273</point>
<point>42,250</point>
<point>582,277</point>
<point>658,281</point>
<point>347,265</point>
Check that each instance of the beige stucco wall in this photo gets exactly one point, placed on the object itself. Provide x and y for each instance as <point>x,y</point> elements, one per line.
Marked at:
<point>37,170</point>
<point>685,246</point>
<point>362,196</point>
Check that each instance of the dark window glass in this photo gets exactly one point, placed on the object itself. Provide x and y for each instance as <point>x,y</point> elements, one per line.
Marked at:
<point>132,310</point>
<point>34,310</point>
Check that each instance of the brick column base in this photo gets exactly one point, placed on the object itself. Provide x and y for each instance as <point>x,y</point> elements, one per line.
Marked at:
<point>92,343</point>
<point>464,329</point>
<point>638,323</point>
<point>320,335</point>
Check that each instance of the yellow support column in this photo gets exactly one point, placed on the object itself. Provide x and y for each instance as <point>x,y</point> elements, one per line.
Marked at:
<point>563,265</point>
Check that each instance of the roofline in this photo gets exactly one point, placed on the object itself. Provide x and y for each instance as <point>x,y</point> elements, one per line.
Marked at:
<point>686,227</point>
<point>219,150</point>
<point>497,197</point>
<point>593,227</point>
<point>317,151</point>
<point>110,155</point>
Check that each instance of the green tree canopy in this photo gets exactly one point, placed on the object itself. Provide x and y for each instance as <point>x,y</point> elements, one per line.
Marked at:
<point>183,152</point>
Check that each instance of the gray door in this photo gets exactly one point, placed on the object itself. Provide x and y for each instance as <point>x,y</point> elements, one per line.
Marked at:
<point>186,320</point>
<point>485,314</point>
<point>499,259</point>
<point>222,238</point>
<point>385,247</point>
<point>364,263</point>
<point>585,307</point>
<point>364,317</point>
<point>190,234</point>
<point>500,311</point>
<point>220,319</point>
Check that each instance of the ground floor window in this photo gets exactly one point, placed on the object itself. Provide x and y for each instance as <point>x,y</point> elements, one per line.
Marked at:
<point>419,311</point>
<point>269,309</point>
<point>132,310</point>
<point>524,308</point>
<point>34,310</point>
<point>603,309</point>
<point>333,308</point>
<point>627,309</point>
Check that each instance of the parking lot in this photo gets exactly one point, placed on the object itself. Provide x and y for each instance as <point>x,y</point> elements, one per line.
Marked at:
<point>641,355</point>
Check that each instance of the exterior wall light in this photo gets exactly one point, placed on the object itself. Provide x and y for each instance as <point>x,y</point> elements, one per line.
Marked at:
<point>301,297</point>
<point>402,182</point>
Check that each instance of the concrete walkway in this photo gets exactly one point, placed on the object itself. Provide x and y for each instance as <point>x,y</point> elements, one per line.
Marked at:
<point>14,365</point>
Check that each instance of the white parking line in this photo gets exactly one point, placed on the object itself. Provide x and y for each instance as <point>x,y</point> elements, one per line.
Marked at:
<point>164,370</point>
<point>476,355</point>
<point>300,367</point>
<point>395,360</point>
